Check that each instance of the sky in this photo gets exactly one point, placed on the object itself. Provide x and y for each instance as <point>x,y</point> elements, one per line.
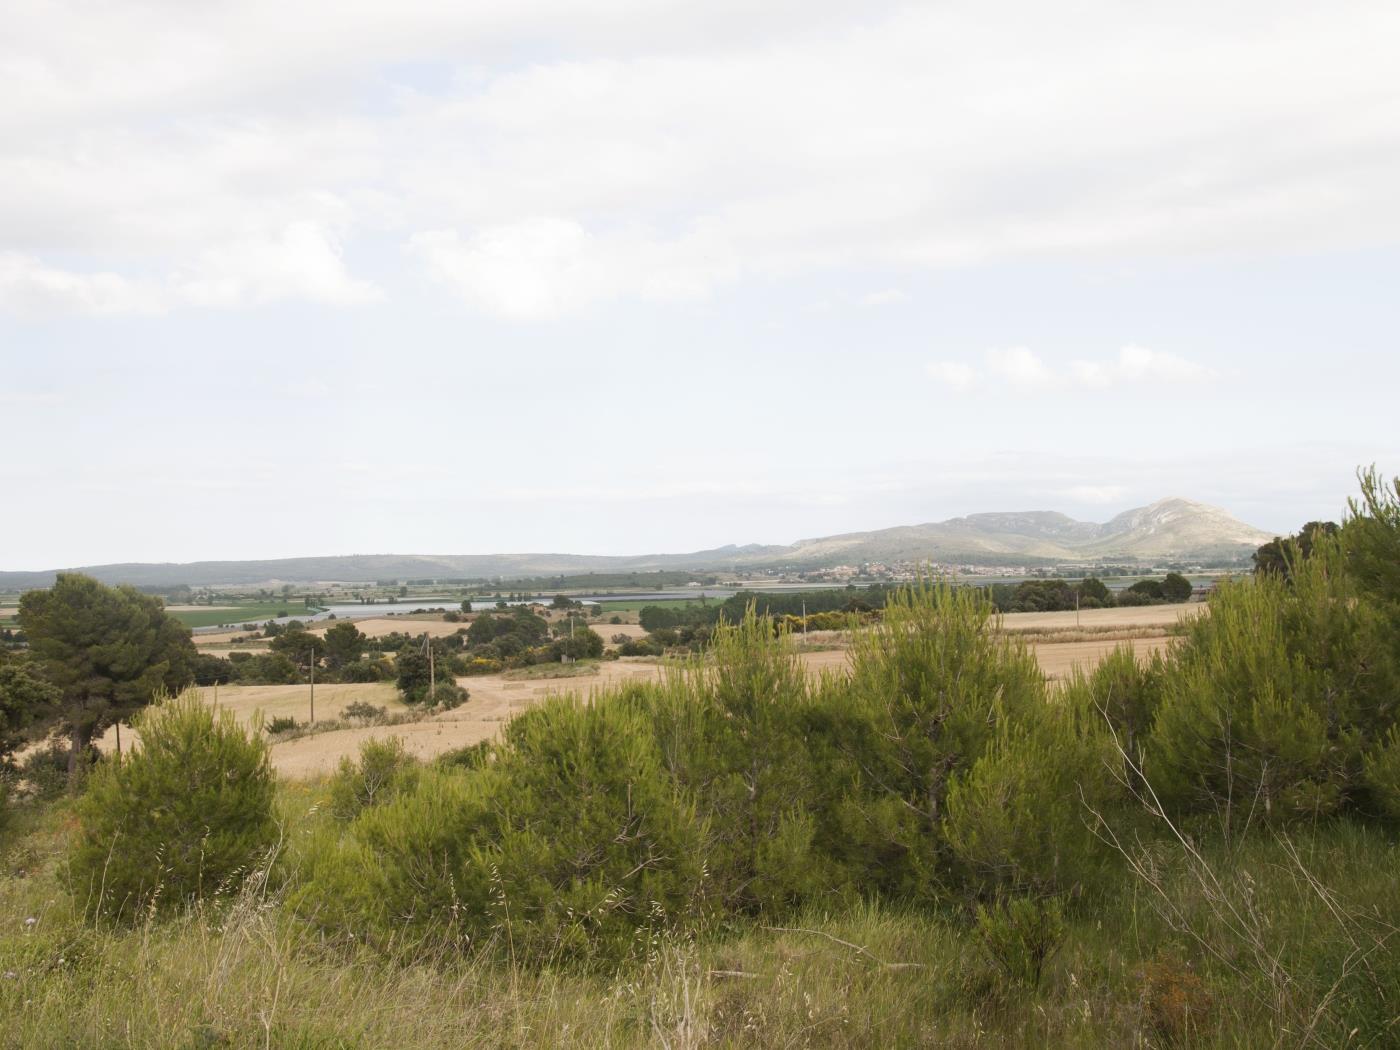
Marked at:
<point>626,277</point>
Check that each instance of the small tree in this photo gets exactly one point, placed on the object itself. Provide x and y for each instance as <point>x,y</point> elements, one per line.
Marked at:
<point>300,644</point>
<point>1177,588</point>
<point>1095,588</point>
<point>108,650</point>
<point>344,644</point>
<point>188,813</point>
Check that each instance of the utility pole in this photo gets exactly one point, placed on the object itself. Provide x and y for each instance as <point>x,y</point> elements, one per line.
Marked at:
<point>1076,608</point>
<point>432,669</point>
<point>804,617</point>
<point>311,664</point>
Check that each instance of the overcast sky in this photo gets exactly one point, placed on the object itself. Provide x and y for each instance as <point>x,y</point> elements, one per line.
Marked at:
<point>326,278</point>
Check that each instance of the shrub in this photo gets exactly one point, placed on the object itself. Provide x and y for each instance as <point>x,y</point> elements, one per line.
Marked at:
<point>364,671</point>
<point>614,619</point>
<point>280,724</point>
<point>1267,700</point>
<point>640,647</point>
<point>448,695</point>
<point>361,711</point>
<point>385,769</point>
<point>1020,936</point>
<point>1382,765</point>
<point>572,845</point>
<point>1021,818</point>
<point>928,687</point>
<point>185,815</point>
<point>45,771</point>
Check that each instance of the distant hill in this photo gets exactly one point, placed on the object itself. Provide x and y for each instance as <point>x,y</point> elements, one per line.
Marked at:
<point>1168,530</point>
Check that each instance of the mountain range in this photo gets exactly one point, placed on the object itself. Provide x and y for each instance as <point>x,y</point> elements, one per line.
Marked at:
<point>1170,530</point>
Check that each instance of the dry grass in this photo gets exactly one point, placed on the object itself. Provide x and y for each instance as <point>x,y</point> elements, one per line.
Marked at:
<point>244,972</point>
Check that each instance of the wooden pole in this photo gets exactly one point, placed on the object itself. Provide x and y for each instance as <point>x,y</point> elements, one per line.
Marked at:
<point>118,727</point>
<point>312,662</point>
<point>432,668</point>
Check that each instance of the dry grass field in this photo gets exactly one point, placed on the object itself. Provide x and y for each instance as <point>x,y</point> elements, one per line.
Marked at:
<point>1058,643</point>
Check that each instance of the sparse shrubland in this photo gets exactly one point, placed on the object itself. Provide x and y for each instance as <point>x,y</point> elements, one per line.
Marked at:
<point>936,850</point>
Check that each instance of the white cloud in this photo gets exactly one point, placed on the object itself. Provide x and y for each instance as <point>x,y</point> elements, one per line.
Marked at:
<point>674,149</point>
<point>1137,364</point>
<point>1019,367</point>
<point>955,374</point>
<point>300,262</point>
<point>547,266</point>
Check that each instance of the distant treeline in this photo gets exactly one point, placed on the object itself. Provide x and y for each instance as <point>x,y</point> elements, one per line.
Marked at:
<point>1027,596</point>
<point>607,581</point>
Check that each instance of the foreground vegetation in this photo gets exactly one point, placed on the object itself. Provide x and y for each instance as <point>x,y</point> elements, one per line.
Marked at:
<point>935,850</point>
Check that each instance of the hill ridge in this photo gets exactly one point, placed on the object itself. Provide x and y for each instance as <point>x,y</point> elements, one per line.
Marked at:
<point>1173,528</point>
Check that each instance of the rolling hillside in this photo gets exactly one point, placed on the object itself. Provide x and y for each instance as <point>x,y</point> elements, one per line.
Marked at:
<point>1168,530</point>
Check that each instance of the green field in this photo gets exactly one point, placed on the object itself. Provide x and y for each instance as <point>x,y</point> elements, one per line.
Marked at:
<point>634,605</point>
<point>254,612</point>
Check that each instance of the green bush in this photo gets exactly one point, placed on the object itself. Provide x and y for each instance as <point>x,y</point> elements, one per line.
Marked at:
<point>364,671</point>
<point>385,769</point>
<point>45,771</point>
<point>1268,700</point>
<point>1382,766</point>
<point>448,695</point>
<point>1022,818</point>
<point>573,845</point>
<point>929,686</point>
<point>1020,936</point>
<point>732,733</point>
<point>182,817</point>
<point>280,724</point>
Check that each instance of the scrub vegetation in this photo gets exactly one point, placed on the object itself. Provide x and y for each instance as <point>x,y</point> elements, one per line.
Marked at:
<point>937,849</point>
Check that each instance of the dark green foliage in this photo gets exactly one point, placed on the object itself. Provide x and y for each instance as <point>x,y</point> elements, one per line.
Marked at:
<point>108,650</point>
<point>264,669</point>
<point>447,695</point>
<point>929,687</point>
<point>344,645</point>
<point>25,698</point>
<point>567,846</point>
<point>211,670</point>
<point>46,771</point>
<point>731,734</point>
<point>384,770</point>
<point>1091,588</point>
<point>640,647</point>
<point>583,643</point>
<point>366,671</point>
<point>280,724</point>
<point>414,673</point>
<point>299,644</point>
<point>1022,818</point>
<point>1176,588</point>
<point>1277,555</point>
<point>1371,539</point>
<point>186,815</point>
<point>1270,699</point>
